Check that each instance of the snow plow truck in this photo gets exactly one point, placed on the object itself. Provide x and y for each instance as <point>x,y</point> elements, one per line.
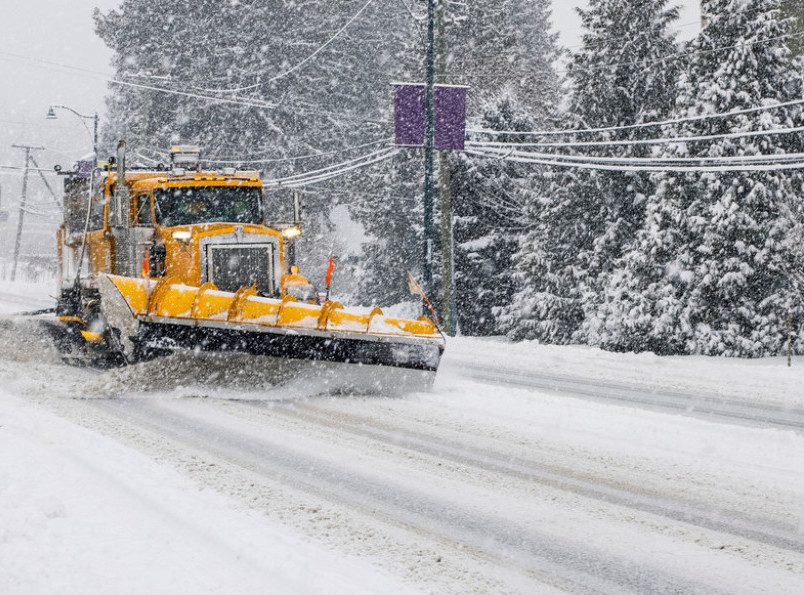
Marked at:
<point>178,259</point>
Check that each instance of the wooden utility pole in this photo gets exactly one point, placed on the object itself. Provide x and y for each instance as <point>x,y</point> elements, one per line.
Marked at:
<point>28,149</point>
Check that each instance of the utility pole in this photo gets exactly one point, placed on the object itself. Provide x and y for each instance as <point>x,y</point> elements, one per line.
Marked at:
<point>429,133</point>
<point>28,149</point>
<point>45,182</point>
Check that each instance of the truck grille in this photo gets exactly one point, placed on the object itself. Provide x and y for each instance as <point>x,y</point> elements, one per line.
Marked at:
<point>231,267</point>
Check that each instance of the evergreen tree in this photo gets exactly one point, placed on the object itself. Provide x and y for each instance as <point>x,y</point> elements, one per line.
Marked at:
<point>503,48</point>
<point>715,257</point>
<point>546,304</point>
<point>570,256</point>
<point>488,207</point>
<point>391,214</point>
<point>793,9</point>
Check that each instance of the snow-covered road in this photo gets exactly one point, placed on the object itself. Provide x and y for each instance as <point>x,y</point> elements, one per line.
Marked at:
<point>527,469</point>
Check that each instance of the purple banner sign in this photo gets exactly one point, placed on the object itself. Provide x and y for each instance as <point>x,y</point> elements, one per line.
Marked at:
<point>409,115</point>
<point>84,169</point>
<point>449,116</point>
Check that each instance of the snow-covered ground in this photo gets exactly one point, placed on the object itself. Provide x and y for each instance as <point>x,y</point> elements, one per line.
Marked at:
<point>527,469</point>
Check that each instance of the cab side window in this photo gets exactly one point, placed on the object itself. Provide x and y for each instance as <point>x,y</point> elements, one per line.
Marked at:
<point>96,214</point>
<point>143,217</point>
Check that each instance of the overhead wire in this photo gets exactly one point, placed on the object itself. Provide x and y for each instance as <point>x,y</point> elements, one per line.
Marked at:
<point>336,166</point>
<point>21,168</point>
<point>236,101</point>
<point>230,161</point>
<point>649,165</point>
<point>320,175</point>
<point>668,122</point>
<point>781,157</point>
<point>649,141</point>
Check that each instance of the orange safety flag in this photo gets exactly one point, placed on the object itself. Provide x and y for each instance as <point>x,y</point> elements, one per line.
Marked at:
<point>414,287</point>
<point>330,268</point>
<point>146,270</point>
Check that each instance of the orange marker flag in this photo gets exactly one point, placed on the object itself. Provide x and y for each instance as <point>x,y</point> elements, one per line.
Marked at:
<point>416,289</point>
<point>330,268</point>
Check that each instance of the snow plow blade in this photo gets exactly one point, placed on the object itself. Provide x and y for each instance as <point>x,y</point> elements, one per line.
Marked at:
<point>149,318</point>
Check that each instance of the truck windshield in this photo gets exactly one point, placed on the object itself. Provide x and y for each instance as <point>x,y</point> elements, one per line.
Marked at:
<point>188,205</point>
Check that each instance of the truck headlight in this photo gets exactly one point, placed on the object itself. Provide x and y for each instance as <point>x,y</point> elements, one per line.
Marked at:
<point>183,236</point>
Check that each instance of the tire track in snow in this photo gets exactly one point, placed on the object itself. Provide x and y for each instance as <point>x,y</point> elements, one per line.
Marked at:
<point>578,567</point>
<point>717,519</point>
<point>750,413</point>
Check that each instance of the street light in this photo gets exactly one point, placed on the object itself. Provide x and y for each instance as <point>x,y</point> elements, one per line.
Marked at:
<point>51,115</point>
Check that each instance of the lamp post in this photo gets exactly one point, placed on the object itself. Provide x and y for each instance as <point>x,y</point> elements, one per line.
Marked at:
<point>51,115</point>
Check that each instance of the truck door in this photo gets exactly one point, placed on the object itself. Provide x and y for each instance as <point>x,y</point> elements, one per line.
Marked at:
<point>99,238</point>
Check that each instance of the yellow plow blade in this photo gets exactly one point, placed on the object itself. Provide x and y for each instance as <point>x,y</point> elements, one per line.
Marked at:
<point>166,315</point>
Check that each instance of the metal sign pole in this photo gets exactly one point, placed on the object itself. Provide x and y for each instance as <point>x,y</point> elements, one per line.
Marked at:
<point>429,102</point>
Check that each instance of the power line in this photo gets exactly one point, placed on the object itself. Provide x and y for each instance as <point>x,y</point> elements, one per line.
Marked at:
<point>759,158</point>
<point>649,141</point>
<point>49,63</point>
<point>326,170</point>
<point>299,157</point>
<point>643,125</point>
<point>331,175</point>
<point>633,165</point>
<point>248,102</point>
<point>242,101</point>
<point>317,176</point>
<point>18,168</point>
<point>44,180</point>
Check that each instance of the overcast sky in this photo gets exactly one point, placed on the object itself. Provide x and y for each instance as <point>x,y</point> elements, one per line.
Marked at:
<point>49,54</point>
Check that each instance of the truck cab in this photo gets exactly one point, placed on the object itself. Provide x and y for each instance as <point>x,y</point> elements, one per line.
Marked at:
<point>194,226</point>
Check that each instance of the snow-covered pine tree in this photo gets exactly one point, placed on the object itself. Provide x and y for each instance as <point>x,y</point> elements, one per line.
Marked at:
<point>503,46</point>
<point>514,87</point>
<point>793,9</point>
<point>390,210</point>
<point>718,247</point>
<point>488,206</point>
<point>571,254</point>
<point>620,77</point>
<point>192,48</point>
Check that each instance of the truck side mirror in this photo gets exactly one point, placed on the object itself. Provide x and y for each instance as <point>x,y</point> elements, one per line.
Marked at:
<point>156,260</point>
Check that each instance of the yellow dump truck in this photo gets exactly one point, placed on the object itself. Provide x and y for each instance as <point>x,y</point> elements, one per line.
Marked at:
<point>180,258</point>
